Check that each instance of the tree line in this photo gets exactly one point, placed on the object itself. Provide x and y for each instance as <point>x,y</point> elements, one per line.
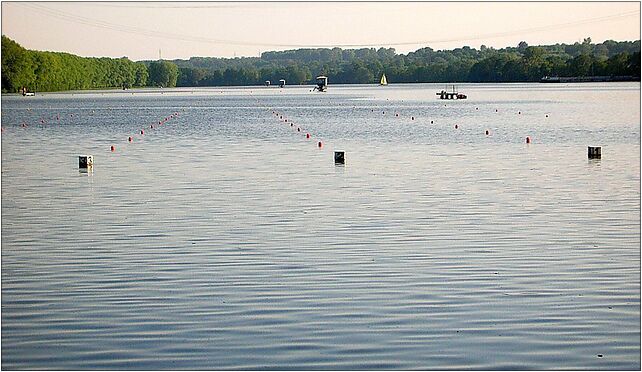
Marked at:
<point>53,71</point>
<point>49,71</point>
<point>522,63</point>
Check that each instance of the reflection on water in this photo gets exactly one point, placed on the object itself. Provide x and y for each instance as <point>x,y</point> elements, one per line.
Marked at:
<point>87,171</point>
<point>226,239</point>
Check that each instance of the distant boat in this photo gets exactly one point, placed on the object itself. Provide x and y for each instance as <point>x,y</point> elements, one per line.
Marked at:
<point>26,93</point>
<point>383,80</point>
<point>322,83</point>
<point>451,95</point>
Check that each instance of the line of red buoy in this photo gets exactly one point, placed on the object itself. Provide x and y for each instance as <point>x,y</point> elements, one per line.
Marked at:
<point>292,124</point>
<point>142,131</point>
<point>487,132</point>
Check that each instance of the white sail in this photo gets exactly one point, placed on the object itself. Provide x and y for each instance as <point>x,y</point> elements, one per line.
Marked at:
<point>383,80</point>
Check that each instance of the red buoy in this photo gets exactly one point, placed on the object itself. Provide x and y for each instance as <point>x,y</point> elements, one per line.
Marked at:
<point>130,138</point>
<point>456,126</point>
<point>307,135</point>
<point>142,131</point>
<point>298,129</point>
<point>320,144</point>
<point>528,139</point>
<point>113,148</point>
<point>487,132</point>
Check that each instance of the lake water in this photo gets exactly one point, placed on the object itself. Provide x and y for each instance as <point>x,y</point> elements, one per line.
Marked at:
<point>224,239</point>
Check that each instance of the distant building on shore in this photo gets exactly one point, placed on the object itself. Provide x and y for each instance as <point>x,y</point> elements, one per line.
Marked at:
<point>586,79</point>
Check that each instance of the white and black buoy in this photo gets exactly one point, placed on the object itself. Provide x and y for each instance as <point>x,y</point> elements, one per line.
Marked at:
<point>85,161</point>
<point>594,152</point>
<point>339,157</point>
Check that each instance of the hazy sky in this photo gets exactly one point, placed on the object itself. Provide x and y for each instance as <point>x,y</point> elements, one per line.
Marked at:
<point>182,30</point>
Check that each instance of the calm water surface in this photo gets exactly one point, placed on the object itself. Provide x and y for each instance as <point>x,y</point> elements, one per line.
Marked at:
<point>224,239</point>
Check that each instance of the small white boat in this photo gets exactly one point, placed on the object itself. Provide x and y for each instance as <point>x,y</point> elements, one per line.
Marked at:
<point>26,93</point>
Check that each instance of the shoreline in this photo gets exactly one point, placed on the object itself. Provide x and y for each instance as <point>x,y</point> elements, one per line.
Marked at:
<point>263,87</point>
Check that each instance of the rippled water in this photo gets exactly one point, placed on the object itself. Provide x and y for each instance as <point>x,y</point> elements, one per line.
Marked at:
<point>224,239</point>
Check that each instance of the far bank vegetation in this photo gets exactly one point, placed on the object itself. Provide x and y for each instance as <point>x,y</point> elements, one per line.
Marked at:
<point>55,71</point>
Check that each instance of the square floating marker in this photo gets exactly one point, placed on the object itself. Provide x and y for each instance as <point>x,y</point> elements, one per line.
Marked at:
<point>594,152</point>
<point>85,161</point>
<point>339,157</point>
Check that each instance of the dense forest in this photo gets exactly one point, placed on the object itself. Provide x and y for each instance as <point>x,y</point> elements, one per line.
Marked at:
<point>362,66</point>
<point>51,71</point>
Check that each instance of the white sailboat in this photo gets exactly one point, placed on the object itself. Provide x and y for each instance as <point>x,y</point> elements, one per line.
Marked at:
<point>383,80</point>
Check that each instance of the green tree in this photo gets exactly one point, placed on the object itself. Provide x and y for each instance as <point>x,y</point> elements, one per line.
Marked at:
<point>163,73</point>
<point>141,75</point>
<point>634,65</point>
<point>17,66</point>
<point>581,65</point>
